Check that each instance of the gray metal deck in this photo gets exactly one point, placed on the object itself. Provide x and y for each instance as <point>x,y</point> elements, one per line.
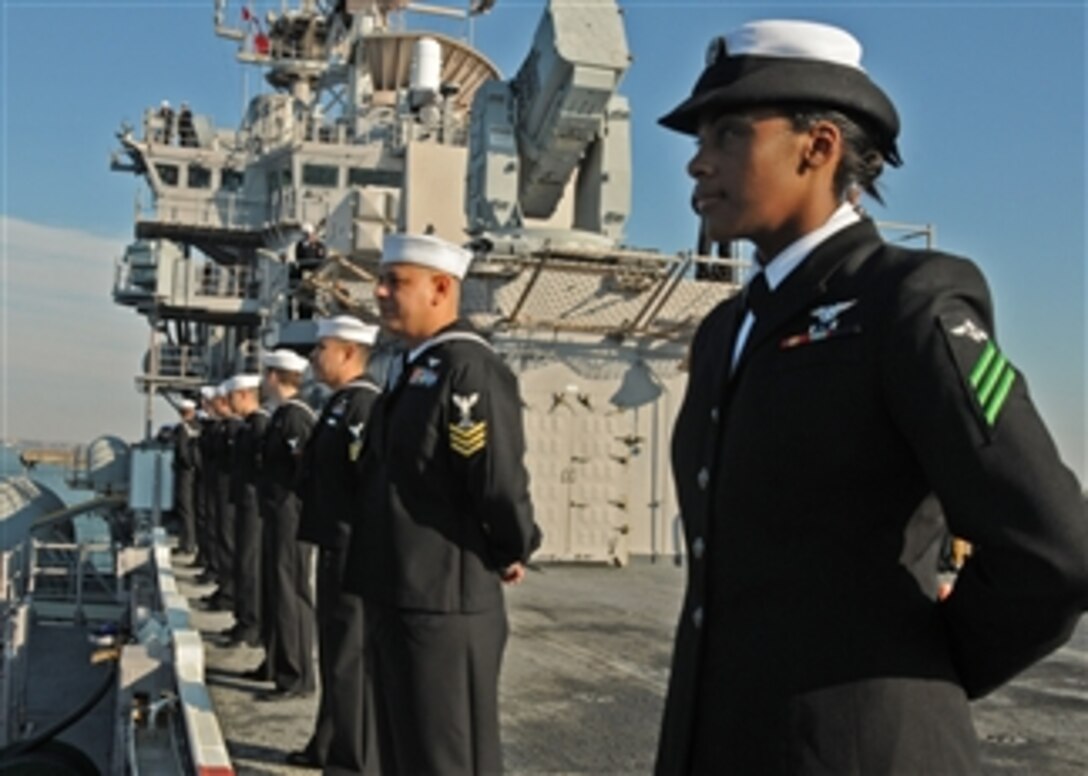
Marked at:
<point>585,675</point>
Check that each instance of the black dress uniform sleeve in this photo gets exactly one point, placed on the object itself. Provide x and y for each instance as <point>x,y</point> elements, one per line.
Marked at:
<point>185,448</point>
<point>285,440</point>
<point>966,412</point>
<point>485,437</point>
<point>303,482</point>
<point>297,427</point>
<point>328,471</point>
<point>258,428</point>
<point>353,463</point>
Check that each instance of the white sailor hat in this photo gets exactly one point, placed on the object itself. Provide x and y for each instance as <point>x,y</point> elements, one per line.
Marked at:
<point>786,62</point>
<point>186,404</point>
<point>208,391</point>
<point>243,382</point>
<point>223,388</point>
<point>347,327</point>
<point>426,251</point>
<point>308,228</point>
<point>287,360</point>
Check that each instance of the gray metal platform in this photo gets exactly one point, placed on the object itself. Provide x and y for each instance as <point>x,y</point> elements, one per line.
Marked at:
<point>585,676</point>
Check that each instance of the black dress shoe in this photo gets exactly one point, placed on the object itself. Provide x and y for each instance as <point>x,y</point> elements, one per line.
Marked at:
<point>302,758</point>
<point>236,638</point>
<point>214,603</point>
<point>258,674</point>
<point>284,695</point>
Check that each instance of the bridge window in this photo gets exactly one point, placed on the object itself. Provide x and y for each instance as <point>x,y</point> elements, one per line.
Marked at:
<point>323,175</point>
<point>277,178</point>
<point>232,180</point>
<point>200,177</point>
<point>168,174</point>
<point>361,176</point>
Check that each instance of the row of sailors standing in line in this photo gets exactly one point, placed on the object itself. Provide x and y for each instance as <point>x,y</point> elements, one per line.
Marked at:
<point>436,490</point>
<point>835,409</point>
<point>841,413</point>
<point>257,488</point>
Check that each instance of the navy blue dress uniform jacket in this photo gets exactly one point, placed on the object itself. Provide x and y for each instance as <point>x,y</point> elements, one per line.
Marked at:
<point>285,440</point>
<point>811,485</point>
<point>445,500</point>
<point>247,462</point>
<point>248,459</point>
<point>223,445</point>
<point>187,446</point>
<point>329,481</point>
<point>186,467</point>
<point>286,563</point>
<point>328,477</point>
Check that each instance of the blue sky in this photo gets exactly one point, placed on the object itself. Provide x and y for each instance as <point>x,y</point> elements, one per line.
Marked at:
<point>992,97</point>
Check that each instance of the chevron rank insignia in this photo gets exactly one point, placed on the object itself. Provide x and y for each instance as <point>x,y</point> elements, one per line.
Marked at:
<point>467,437</point>
<point>987,374</point>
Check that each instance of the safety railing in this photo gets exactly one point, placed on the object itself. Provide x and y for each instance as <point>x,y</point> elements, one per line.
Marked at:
<point>75,581</point>
<point>217,212</point>
<point>172,360</point>
<point>215,280</point>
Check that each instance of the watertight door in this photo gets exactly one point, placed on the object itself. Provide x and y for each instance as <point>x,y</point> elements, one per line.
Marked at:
<point>579,475</point>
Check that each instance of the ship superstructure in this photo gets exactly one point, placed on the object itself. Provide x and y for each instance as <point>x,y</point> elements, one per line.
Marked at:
<point>369,127</point>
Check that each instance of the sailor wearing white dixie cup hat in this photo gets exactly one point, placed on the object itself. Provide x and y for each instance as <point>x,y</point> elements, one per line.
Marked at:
<point>829,407</point>
<point>186,464</point>
<point>243,394</point>
<point>448,521</point>
<point>219,442</point>
<point>206,528</point>
<point>286,564</point>
<point>343,731</point>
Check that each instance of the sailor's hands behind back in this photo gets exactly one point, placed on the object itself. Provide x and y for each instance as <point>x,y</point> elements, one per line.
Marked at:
<point>513,574</point>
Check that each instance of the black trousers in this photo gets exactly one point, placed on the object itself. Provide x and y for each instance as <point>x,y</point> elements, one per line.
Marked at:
<point>200,504</point>
<point>288,613</point>
<point>208,538</point>
<point>436,686</point>
<point>224,539</point>
<point>247,565</point>
<point>184,489</point>
<point>344,734</point>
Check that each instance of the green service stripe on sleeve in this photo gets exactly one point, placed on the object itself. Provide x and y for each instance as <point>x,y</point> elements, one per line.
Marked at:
<point>992,376</point>
<point>983,362</point>
<point>1002,393</point>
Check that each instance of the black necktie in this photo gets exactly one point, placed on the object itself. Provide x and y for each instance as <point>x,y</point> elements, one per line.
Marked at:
<point>757,296</point>
<point>757,299</point>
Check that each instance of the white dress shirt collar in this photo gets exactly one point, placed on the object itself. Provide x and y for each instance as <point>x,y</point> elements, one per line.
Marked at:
<point>779,268</point>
